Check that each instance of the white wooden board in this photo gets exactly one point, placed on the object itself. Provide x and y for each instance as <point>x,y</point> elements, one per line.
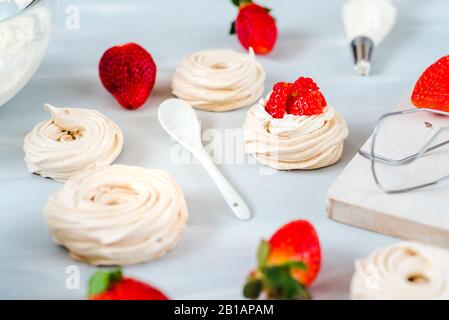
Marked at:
<point>421,215</point>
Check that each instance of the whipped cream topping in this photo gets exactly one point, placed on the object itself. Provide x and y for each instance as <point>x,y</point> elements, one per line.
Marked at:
<point>72,141</point>
<point>369,18</point>
<point>294,142</point>
<point>117,215</point>
<point>23,42</point>
<point>403,271</point>
<point>219,80</point>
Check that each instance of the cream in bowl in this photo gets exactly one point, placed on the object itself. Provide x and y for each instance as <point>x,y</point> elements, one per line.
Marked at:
<point>24,37</point>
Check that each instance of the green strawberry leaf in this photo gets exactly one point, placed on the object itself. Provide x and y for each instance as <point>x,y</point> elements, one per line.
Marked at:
<point>297,265</point>
<point>301,292</point>
<point>280,284</point>
<point>239,3</point>
<point>102,280</point>
<point>232,30</point>
<point>253,288</point>
<point>262,253</point>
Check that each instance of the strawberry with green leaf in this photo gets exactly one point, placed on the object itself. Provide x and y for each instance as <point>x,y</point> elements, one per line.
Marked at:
<point>255,27</point>
<point>287,264</point>
<point>112,285</point>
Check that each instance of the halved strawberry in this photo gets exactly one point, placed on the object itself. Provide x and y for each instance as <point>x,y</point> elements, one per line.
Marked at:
<point>432,88</point>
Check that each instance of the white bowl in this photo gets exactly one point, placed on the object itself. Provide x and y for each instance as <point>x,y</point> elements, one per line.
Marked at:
<point>24,38</point>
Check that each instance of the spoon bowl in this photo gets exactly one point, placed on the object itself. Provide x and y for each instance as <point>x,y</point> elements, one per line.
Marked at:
<point>179,119</point>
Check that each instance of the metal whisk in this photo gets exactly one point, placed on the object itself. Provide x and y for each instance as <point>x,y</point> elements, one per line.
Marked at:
<point>377,159</point>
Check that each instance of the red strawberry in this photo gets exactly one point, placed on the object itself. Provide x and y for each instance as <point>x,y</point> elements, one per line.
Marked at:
<point>128,72</point>
<point>277,103</point>
<point>287,263</point>
<point>297,241</point>
<point>432,89</point>
<point>111,285</point>
<point>255,27</point>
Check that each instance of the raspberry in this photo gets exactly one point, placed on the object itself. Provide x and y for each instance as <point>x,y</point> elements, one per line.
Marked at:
<point>303,84</point>
<point>306,98</point>
<point>301,98</point>
<point>306,104</point>
<point>277,103</point>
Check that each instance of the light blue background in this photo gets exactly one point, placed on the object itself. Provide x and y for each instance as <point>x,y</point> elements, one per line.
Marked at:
<point>217,251</point>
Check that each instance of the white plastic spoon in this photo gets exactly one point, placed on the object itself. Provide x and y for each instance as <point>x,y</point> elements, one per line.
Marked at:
<point>178,118</point>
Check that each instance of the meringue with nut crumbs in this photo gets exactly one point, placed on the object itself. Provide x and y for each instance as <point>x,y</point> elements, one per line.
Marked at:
<point>72,141</point>
<point>405,271</point>
<point>117,215</point>
<point>219,80</point>
<point>294,142</point>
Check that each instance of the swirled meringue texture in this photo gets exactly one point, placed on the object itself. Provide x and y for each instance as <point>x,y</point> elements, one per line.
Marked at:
<point>219,80</point>
<point>404,271</point>
<point>117,215</point>
<point>294,142</point>
<point>72,141</point>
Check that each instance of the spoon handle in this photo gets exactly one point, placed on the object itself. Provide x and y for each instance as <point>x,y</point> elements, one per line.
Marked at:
<point>233,199</point>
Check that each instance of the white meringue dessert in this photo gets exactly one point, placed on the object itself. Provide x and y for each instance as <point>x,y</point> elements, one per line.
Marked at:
<point>117,215</point>
<point>72,141</point>
<point>403,271</point>
<point>294,142</point>
<point>219,80</point>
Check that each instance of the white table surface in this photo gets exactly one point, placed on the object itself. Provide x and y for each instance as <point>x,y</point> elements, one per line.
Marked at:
<point>217,251</point>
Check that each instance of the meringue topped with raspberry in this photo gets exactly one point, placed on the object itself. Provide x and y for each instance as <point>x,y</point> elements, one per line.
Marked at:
<point>294,128</point>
